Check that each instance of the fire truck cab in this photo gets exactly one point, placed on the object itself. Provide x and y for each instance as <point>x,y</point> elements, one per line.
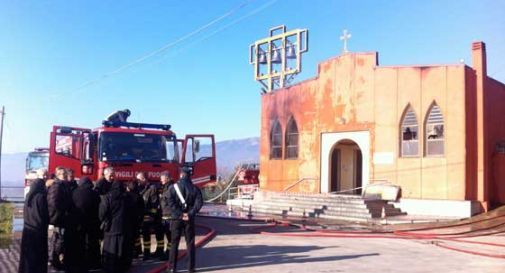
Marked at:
<point>35,160</point>
<point>131,148</point>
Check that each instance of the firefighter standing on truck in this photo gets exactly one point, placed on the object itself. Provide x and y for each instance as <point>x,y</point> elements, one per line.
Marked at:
<point>166,181</point>
<point>185,201</point>
<point>152,216</point>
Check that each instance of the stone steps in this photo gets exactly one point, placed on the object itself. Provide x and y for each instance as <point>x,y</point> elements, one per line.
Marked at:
<point>310,210</point>
<point>316,214</point>
<point>309,205</point>
<point>319,197</point>
<point>318,201</point>
<point>343,207</point>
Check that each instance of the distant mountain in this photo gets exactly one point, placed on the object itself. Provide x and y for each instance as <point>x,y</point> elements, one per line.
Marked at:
<point>13,169</point>
<point>229,154</point>
<point>232,152</point>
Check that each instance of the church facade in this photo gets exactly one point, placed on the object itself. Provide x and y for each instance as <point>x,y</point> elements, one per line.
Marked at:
<point>437,132</point>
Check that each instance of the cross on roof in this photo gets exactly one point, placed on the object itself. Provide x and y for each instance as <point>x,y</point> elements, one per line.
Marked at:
<point>345,36</point>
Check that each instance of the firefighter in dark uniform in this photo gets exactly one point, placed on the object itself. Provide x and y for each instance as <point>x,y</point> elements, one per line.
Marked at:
<point>166,181</point>
<point>185,201</point>
<point>152,216</point>
<point>59,202</point>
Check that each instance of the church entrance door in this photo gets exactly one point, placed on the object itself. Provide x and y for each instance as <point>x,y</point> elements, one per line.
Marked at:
<point>346,166</point>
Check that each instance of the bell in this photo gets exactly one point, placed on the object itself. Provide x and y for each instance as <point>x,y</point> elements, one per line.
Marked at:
<point>276,55</point>
<point>262,56</point>
<point>290,51</point>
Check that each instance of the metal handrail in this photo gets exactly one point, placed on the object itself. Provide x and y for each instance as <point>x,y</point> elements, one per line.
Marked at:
<point>297,182</point>
<point>385,182</point>
<point>235,194</point>
<point>225,190</point>
<point>232,182</point>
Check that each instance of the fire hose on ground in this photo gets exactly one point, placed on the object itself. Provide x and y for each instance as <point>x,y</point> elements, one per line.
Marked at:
<point>437,239</point>
<point>199,243</point>
<point>409,234</point>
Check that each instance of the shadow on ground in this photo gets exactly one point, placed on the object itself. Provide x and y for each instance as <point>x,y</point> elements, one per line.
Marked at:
<point>260,255</point>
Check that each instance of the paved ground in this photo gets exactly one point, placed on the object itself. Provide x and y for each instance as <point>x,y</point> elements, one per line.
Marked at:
<point>235,249</point>
<point>9,257</point>
<point>238,247</point>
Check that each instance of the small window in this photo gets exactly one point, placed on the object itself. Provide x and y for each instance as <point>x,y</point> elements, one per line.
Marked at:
<point>434,131</point>
<point>202,146</point>
<point>87,150</point>
<point>64,145</point>
<point>409,134</point>
<point>171,149</point>
<point>292,140</point>
<point>190,155</point>
<point>276,141</point>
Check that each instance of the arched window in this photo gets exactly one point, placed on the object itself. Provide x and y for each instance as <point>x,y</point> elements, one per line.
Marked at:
<point>434,131</point>
<point>409,134</point>
<point>276,140</point>
<point>292,139</point>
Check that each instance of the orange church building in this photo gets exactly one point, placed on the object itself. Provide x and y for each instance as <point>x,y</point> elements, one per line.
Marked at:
<point>437,131</point>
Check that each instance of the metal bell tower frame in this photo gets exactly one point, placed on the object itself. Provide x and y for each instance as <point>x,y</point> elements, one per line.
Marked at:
<point>277,58</point>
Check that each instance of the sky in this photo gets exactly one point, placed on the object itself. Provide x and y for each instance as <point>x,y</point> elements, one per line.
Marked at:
<point>185,63</point>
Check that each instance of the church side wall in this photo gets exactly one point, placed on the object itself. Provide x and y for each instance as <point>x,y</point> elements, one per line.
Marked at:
<point>423,176</point>
<point>495,119</point>
<point>471,134</point>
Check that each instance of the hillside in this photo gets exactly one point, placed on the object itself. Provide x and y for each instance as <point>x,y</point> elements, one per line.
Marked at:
<point>232,152</point>
<point>13,169</point>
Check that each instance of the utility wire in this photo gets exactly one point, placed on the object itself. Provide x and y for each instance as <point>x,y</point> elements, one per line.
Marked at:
<point>161,49</point>
<point>232,23</point>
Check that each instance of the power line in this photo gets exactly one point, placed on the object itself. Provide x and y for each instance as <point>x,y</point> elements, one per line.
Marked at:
<point>161,49</point>
<point>232,23</point>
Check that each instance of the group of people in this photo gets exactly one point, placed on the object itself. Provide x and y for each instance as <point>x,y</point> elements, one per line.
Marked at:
<point>100,224</point>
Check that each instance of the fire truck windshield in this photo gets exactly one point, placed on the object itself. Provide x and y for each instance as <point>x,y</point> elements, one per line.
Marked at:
<point>137,147</point>
<point>36,161</point>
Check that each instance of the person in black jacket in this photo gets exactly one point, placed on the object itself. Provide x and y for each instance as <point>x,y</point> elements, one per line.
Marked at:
<point>115,213</point>
<point>86,202</point>
<point>33,257</point>
<point>59,202</point>
<point>166,181</point>
<point>133,190</point>
<point>102,186</point>
<point>185,201</point>
<point>70,178</point>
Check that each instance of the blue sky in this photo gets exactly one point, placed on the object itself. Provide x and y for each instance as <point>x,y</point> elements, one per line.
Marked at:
<point>49,50</point>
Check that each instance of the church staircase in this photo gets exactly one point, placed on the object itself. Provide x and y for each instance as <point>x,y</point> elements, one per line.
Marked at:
<point>329,206</point>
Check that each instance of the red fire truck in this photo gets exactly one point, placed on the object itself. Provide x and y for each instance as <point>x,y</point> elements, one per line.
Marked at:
<point>35,160</point>
<point>131,148</point>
